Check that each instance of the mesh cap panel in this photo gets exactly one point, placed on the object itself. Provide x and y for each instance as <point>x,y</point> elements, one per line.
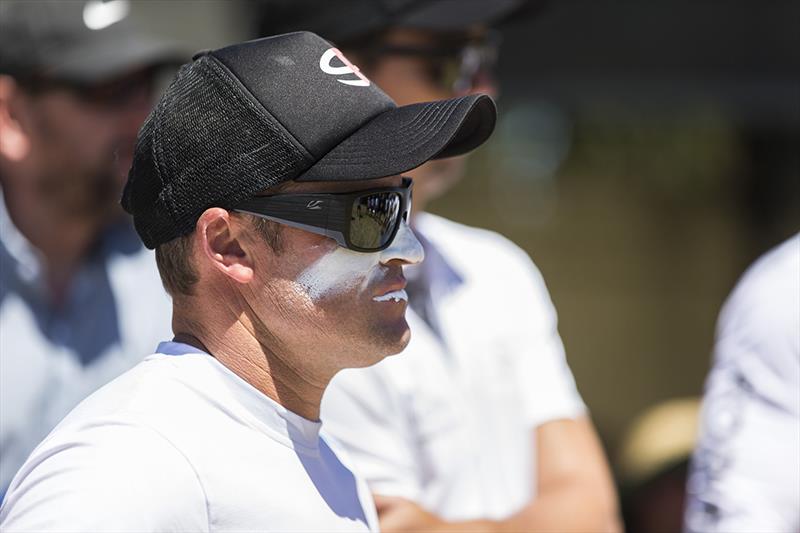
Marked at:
<point>207,143</point>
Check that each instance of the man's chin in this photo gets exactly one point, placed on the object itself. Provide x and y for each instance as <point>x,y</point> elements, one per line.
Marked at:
<point>389,340</point>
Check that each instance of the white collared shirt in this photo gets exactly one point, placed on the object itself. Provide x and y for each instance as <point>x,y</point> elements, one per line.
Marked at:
<point>181,443</point>
<point>449,422</point>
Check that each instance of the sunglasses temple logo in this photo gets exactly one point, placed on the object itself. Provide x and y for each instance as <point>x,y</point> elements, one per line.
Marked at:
<point>348,68</point>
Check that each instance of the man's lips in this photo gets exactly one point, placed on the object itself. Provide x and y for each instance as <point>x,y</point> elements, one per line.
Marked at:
<point>397,296</point>
<point>392,290</point>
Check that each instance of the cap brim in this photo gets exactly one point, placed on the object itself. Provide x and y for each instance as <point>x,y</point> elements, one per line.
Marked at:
<point>403,138</point>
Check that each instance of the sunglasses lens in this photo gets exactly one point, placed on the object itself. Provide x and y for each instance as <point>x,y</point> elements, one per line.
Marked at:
<point>374,219</point>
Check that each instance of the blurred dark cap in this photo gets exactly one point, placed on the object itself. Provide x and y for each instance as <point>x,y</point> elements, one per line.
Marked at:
<point>342,21</point>
<point>78,41</point>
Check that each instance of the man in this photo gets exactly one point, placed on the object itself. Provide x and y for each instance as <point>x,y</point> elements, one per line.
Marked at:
<point>745,473</point>
<point>479,425</point>
<point>268,180</point>
<point>80,298</point>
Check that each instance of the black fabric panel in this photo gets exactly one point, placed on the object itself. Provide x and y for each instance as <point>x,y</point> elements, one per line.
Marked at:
<point>284,74</point>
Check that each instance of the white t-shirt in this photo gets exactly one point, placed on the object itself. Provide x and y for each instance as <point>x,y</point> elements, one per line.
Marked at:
<point>180,443</point>
<point>745,473</point>
<point>449,422</point>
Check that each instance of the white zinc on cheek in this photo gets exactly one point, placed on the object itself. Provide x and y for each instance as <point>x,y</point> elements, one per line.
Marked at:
<point>341,269</point>
<point>338,271</point>
<point>404,247</point>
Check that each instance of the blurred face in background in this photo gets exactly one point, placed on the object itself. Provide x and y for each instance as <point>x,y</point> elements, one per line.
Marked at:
<point>414,66</point>
<point>80,140</point>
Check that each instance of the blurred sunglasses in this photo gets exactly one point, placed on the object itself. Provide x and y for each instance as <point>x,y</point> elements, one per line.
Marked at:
<point>363,221</point>
<point>459,65</point>
<point>115,93</point>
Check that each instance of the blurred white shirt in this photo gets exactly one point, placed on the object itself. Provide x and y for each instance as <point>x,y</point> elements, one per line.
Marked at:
<point>449,423</point>
<point>746,469</point>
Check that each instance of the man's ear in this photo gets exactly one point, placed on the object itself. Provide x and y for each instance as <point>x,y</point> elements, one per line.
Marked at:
<point>223,246</point>
<point>14,142</point>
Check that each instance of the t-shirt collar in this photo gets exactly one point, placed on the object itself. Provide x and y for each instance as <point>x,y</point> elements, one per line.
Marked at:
<point>264,412</point>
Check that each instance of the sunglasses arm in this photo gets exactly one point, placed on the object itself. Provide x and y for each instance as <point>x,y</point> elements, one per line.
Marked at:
<point>307,212</point>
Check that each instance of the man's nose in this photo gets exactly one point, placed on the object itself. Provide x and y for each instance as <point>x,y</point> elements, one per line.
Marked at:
<point>404,248</point>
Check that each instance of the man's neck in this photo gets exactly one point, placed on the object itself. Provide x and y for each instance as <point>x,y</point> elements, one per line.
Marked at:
<point>274,371</point>
<point>62,241</point>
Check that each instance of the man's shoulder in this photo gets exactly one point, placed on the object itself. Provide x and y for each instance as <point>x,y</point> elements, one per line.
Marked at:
<point>125,437</point>
<point>757,331</point>
<point>436,227</point>
<point>776,270</point>
<point>107,473</point>
<point>470,245</point>
<point>770,288</point>
<point>151,393</point>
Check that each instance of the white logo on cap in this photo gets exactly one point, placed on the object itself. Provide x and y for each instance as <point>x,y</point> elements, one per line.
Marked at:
<point>348,68</point>
<point>98,14</point>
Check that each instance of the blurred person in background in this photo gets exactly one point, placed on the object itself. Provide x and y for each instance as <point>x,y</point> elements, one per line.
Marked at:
<point>745,473</point>
<point>478,426</point>
<point>81,298</point>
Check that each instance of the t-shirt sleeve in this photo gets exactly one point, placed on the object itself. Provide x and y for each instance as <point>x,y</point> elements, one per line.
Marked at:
<point>108,478</point>
<point>365,417</point>
<point>547,385</point>
<point>745,473</point>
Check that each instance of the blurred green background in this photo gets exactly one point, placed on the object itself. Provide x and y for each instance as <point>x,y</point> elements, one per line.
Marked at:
<point>646,153</point>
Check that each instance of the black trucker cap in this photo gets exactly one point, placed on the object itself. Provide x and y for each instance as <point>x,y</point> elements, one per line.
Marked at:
<point>78,41</point>
<point>246,117</point>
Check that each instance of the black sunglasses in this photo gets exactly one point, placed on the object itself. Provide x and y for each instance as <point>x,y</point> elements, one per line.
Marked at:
<point>364,221</point>
<point>458,64</point>
<point>115,93</point>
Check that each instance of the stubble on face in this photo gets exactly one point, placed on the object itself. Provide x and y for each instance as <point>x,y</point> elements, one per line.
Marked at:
<point>80,159</point>
<point>342,285</point>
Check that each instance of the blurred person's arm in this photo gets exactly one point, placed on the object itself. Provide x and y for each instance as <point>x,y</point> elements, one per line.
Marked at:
<point>574,490</point>
<point>746,478</point>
